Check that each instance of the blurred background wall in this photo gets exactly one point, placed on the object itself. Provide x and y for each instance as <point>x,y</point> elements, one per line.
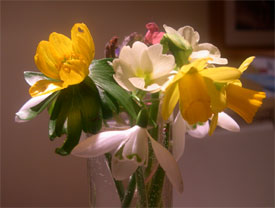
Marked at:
<point>32,175</point>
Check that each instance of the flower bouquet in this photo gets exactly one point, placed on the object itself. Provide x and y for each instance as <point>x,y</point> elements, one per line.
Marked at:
<point>136,104</point>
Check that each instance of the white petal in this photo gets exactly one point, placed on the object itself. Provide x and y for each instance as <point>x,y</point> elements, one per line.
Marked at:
<point>228,123</point>
<point>168,163</point>
<point>122,73</point>
<point>189,34</point>
<point>137,144</point>
<point>137,82</point>
<point>163,64</point>
<point>169,30</point>
<point>31,80</point>
<point>217,60</point>
<point>128,56</point>
<point>199,54</point>
<point>145,63</point>
<point>209,47</point>
<point>201,130</point>
<point>24,111</point>
<point>138,48</point>
<point>178,134</point>
<point>122,169</point>
<point>100,143</point>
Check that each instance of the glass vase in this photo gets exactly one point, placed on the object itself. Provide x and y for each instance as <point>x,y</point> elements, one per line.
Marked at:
<point>103,188</point>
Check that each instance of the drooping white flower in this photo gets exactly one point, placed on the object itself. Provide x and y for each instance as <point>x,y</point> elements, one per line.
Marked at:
<point>25,113</point>
<point>143,67</point>
<point>192,37</point>
<point>131,151</point>
<point>180,127</point>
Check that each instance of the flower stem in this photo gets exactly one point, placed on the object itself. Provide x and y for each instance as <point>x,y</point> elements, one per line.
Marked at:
<point>118,184</point>
<point>129,193</point>
<point>141,187</point>
<point>155,191</point>
<point>154,194</point>
<point>153,114</point>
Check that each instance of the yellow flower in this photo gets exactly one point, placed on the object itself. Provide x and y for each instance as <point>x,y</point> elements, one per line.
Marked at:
<point>65,61</point>
<point>204,92</point>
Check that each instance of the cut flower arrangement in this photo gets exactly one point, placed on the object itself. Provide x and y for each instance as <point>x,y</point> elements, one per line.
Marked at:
<point>158,87</point>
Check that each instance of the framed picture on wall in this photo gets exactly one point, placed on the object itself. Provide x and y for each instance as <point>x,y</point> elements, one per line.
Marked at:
<point>249,23</point>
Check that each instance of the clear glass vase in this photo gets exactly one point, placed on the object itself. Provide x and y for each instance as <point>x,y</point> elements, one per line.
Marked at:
<point>103,191</point>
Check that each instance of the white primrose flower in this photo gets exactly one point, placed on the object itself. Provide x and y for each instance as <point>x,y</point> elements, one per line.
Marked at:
<point>180,127</point>
<point>202,50</point>
<point>143,67</point>
<point>131,151</point>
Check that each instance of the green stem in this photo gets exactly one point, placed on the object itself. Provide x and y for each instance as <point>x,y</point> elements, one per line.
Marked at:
<point>153,115</point>
<point>118,184</point>
<point>129,193</point>
<point>154,194</point>
<point>141,187</point>
<point>155,191</point>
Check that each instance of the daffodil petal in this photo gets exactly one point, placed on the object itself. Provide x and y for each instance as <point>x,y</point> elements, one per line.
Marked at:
<point>168,163</point>
<point>198,65</point>
<point>244,101</point>
<point>22,114</point>
<point>178,134</point>
<point>228,123</point>
<point>45,60</point>
<point>213,125</point>
<point>43,87</point>
<point>221,74</point>
<point>171,97</point>
<point>218,97</point>
<point>83,42</point>
<point>194,100</point>
<point>101,143</point>
<point>122,169</point>
<point>200,131</point>
<point>246,63</point>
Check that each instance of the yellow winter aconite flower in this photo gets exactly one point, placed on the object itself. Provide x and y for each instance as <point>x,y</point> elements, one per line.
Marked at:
<point>65,61</point>
<point>204,92</point>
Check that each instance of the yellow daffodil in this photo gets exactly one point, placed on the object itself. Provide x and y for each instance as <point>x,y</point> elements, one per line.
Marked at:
<point>65,61</point>
<point>204,92</point>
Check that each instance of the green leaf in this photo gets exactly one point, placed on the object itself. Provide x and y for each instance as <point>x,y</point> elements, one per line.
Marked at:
<point>60,112</point>
<point>102,74</point>
<point>108,104</point>
<point>73,132</point>
<point>90,106</point>
<point>178,47</point>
